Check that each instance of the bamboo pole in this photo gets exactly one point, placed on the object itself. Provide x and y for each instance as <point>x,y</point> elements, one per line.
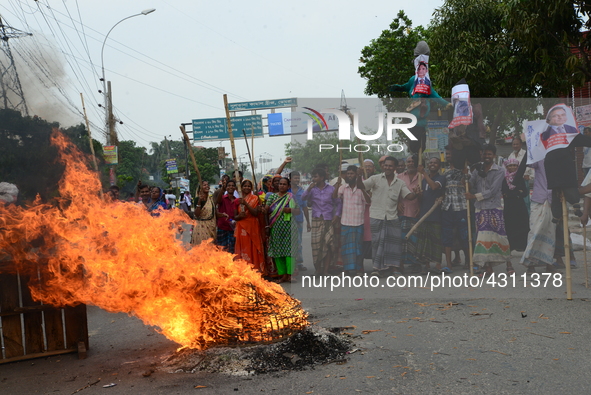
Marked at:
<point>340,165</point>
<point>89,134</point>
<point>234,158</point>
<point>90,141</point>
<point>254,185</point>
<point>438,201</point>
<point>420,164</point>
<point>585,253</point>
<point>192,155</point>
<point>569,290</point>
<point>469,220</point>
<point>250,157</point>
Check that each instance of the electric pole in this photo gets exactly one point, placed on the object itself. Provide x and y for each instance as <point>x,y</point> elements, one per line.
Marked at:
<point>11,92</point>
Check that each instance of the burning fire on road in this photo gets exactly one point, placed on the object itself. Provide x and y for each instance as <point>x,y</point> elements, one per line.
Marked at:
<point>119,258</point>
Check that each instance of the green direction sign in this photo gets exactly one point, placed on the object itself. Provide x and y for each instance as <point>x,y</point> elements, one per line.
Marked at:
<point>262,104</point>
<point>210,129</point>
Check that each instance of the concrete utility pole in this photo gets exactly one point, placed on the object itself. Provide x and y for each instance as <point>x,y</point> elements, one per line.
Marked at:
<point>167,148</point>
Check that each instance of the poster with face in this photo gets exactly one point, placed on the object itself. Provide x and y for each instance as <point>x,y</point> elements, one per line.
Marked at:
<point>557,131</point>
<point>422,80</point>
<point>460,98</point>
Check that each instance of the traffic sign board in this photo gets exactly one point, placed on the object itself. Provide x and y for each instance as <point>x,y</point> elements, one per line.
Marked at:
<point>262,104</point>
<point>210,129</point>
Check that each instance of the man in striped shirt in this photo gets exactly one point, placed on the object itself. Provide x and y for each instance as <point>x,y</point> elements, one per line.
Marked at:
<point>352,222</point>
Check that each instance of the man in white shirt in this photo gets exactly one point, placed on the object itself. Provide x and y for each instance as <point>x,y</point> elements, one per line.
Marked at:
<point>386,189</point>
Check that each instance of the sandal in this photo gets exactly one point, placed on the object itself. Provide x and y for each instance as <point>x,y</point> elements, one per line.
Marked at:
<point>510,270</point>
<point>446,270</point>
<point>531,270</point>
<point>485,273</point>
<point>435,271</point>
<point>552,269</point>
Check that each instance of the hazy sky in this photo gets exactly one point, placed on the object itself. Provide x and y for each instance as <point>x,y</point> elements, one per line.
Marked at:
<point>175,64</point>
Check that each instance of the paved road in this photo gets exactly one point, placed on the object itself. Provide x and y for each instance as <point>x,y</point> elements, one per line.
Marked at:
<point>466,340</point>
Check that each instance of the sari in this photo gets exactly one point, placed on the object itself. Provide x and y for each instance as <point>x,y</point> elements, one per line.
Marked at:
<point>205,225</point>
<point>283,235</point>
<point>282,225</point>
<point>154,205</point>
<point>249,243</point>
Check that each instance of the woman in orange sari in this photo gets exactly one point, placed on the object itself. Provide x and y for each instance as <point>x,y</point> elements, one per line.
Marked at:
<point>249,243</point>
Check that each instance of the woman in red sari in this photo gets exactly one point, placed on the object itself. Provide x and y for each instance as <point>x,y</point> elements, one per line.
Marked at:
<point>249,243</point>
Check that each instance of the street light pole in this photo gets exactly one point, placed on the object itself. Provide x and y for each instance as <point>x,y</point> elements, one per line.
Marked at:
<point>111,137</point>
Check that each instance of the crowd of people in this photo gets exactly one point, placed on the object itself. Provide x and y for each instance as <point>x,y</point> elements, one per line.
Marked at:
<point>405,218</point>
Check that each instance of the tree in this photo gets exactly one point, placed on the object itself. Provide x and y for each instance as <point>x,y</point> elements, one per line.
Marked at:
<point>389,58</point>
<point>27,157</point>
<point>554,35</point>
<point>494,60</point>
<point>131,167</point>
<point>305,157</point>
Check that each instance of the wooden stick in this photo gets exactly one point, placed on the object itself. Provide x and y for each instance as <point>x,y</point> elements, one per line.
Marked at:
<point>340,165</point>
<point>361,160</point>
<point>254,185</point>
<point>234,158</point>
<point>569,290</point>
<point>89,134</point>
<point>469,219</point>
<point>424,217</point>
<point>250,157</point>
<point>585,254</point>
<point>192,155</point>
<point>420,163</point>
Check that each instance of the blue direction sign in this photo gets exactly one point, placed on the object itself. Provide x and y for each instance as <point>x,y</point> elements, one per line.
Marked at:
<point>210,129</point>
<point>262,104</point>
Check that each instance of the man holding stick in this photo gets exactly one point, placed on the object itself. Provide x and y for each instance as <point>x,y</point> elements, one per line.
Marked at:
<point>429,247</point>
<point>386,190</point>
<point>409,213</point>
<point>453,210</point>
<point>492,245</point>
<point>369,170</point>
<point>297,193</point>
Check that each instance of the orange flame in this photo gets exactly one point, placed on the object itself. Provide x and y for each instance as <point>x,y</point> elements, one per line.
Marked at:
<point>117,257</point>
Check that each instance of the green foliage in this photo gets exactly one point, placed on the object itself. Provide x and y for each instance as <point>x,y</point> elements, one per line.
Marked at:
<point>388,59</point>
<point>131,168</point>
<point>504,49</point>
<point>27,158</point>
<point>476,47</point>
<point>550,32</point>
<point>306,156</point>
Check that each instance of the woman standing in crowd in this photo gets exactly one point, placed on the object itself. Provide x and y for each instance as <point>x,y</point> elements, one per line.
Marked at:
<point>205,210</point>
<point>157,201</point>
<point>280,206</point>
<point>225,237</point>
<point>249,243</point>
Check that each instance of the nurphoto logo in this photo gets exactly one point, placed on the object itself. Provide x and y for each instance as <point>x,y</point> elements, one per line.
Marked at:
<point>392,123</point>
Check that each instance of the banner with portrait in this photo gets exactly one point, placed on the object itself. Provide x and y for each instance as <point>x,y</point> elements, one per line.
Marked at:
<point>422,80</point>
<point>557,131</point>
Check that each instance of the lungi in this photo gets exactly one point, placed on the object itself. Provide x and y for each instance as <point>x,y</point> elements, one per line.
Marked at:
<point>492,245</point>
<point>385,242</point>
<point>541,240</point>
